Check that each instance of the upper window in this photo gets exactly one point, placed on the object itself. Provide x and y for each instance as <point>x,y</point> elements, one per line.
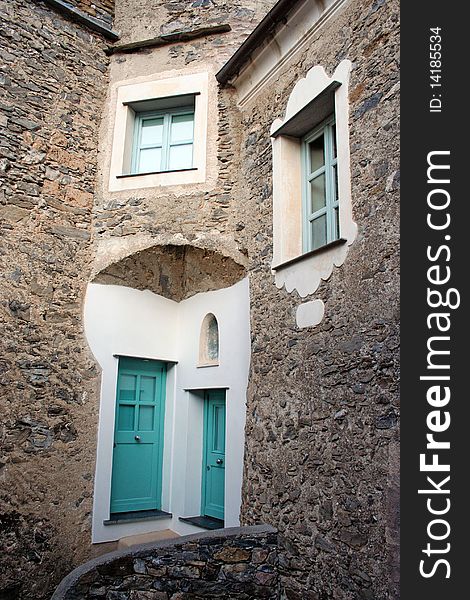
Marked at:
<point>160,135</point>
<point>320,193</point>
<point>163,141</point>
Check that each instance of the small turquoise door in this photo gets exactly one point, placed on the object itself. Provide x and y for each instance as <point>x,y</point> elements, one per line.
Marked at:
<point>138,436</point>
<point>213,468</point>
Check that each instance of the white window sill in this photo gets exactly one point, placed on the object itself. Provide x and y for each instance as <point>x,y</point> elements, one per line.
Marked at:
<point>123,175</point>
<point>308,254</point>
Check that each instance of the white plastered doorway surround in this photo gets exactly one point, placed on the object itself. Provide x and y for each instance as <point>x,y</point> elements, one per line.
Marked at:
<point>128,322</point>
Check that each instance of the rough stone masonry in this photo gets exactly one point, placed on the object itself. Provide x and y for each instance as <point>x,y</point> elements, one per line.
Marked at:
<point>53,84</point>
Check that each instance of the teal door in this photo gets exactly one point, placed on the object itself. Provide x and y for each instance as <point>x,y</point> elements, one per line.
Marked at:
<point>138,436</point>
<point>213,468</point>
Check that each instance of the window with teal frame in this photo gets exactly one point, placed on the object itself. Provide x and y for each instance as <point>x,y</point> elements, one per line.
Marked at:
<point>320,194</point>
<point>163,141</point>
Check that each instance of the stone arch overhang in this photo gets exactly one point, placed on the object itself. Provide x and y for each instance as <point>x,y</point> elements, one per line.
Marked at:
<point>174,269</point>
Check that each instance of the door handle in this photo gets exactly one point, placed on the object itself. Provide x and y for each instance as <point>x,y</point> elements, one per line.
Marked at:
<point>137,438</point>
<point>219,461</point>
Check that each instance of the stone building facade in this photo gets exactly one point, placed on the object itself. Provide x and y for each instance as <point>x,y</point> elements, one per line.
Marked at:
<point>54,79</point>
<point>102,263</point>
<point>321,461</point>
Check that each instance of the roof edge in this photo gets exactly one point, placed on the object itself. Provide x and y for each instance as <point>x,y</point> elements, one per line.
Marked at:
<point>184,35</point>
<point>277,14</point>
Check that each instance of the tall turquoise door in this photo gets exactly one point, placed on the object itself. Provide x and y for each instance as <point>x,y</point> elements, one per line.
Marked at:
<point>213,468</point>
<point>138,436</point>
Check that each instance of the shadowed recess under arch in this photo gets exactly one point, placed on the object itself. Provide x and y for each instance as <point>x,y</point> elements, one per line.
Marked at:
<point>174,272</point>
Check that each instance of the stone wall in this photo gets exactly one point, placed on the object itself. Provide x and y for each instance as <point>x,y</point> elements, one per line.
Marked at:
<point>321,460</point>
<point>146,19</point>
<point>229,563</point>
<point>174,272</point>
<point>190,210</point>
<point>52,89</point>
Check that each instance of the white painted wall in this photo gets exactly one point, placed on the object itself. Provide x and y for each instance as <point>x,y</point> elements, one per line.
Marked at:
<point>120,320</point>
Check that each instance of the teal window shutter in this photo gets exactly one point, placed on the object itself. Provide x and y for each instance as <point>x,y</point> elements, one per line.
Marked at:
<point>163,141</point>
<point>320,186</point>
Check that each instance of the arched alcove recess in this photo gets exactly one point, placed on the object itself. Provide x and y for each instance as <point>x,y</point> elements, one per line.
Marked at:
<point>209,342</point>
<point>174,272</point>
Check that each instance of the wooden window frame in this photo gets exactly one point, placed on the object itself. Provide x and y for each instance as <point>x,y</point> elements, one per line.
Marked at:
<point>166,144</point>
<point>332,202</point>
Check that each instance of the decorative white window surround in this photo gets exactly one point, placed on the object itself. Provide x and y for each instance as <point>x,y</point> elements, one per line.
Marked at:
<point>320,202</point>
<point>292,269</point>
<point>128,93</point>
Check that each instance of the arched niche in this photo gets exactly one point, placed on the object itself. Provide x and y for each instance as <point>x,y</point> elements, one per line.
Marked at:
<point>209,342</point>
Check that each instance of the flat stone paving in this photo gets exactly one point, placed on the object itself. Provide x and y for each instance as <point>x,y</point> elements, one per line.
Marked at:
<point>144,538</point>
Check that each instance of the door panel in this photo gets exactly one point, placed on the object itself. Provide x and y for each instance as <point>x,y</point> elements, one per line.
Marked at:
<point>138,436</point>
<point>213,479</point>
<point>133,484</point>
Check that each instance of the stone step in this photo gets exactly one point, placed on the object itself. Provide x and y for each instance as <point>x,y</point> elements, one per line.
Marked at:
<point>144,538</point>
